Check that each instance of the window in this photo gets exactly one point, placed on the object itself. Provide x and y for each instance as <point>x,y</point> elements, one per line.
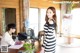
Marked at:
<point>75,26</point>
<point>42,18</point>
<point>33,19</point>
<point>58,20</point>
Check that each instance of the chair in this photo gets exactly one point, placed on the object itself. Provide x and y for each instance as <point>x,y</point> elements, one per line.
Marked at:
<point>31,33</point>
<point>22,36</point>
<point>40,34</point>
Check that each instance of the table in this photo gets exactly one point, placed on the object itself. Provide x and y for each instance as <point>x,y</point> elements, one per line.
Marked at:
<point>14,49</point>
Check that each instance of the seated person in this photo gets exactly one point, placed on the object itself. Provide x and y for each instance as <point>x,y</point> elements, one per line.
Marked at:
<point>7,37</point>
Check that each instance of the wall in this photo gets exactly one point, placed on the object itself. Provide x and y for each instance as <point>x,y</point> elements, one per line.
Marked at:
<point>43,4</point>
<point>0,21</point>
<point>10,4</point>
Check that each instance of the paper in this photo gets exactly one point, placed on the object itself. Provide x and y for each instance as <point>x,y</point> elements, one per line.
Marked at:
<point>16,46</point>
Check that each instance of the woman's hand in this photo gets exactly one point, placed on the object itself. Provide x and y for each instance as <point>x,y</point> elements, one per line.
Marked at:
<point>19,42</point>
<point>42,50</point>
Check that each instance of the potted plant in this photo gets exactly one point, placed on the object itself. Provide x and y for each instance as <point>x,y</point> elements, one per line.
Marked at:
<point>28,47</point>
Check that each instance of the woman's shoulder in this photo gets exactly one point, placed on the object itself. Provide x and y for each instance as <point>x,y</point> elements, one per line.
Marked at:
<point>6,34</point>
<point>45,24</point>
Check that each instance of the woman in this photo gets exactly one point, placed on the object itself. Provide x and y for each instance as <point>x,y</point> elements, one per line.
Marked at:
<point>7,37</point>
<point>49,41</point>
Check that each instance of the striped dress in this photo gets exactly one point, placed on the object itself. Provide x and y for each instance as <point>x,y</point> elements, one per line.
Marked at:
<point>49,41</point>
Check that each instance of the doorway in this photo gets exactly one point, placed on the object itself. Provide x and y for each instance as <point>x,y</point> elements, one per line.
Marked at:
<point>9,16</point>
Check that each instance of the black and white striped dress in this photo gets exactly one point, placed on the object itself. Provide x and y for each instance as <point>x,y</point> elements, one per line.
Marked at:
<point>49,41</point>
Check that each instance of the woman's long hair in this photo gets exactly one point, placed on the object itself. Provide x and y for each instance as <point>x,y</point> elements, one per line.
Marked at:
<point>54,16</point>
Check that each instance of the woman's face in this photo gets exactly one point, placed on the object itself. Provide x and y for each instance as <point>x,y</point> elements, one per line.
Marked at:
<point>13,30</point>
<point>50,13</point>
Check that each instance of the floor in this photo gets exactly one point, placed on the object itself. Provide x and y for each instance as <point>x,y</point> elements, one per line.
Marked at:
<point>61,47</point>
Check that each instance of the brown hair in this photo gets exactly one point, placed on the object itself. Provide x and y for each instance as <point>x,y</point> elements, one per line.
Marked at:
<point>54,16</point>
